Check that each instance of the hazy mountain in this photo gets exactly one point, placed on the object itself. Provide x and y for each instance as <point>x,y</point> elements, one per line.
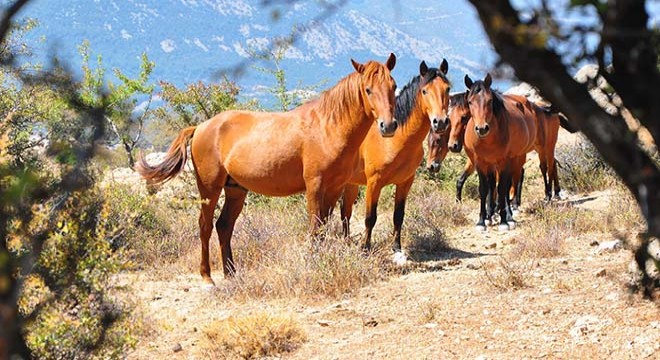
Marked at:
<point>191,40</point>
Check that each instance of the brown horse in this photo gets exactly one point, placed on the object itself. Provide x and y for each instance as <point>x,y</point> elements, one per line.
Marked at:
<point>313,148</point>
<point>437,149</point>
<point>548,124</point>
<point>421,105</point>
<point>498,134</point>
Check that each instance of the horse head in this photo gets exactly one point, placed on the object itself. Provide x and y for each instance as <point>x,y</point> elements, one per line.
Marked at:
<point>434,88</point>
<point>377,90</point>
<point>481,99</point>
<point>459,115</point>
<point>437,144</point>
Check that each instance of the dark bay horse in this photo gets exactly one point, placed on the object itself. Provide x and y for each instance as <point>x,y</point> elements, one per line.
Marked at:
<point>421,105</point>
<point>498,134</point>
<point>311,149</point>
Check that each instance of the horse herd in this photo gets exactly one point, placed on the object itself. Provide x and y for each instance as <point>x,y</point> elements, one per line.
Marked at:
<point>359,133</point>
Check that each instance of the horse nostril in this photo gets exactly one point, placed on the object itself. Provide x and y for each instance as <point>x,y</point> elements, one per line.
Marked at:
<point>435,121</point>
<point>381,124</point>
<point>486,127</point>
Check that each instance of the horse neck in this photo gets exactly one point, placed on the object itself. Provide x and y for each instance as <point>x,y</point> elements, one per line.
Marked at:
<point>343,114</point>
<point>415,128</point>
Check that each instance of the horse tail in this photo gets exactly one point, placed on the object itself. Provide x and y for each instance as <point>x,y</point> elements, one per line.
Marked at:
<point>172,165</point>
<point>563,121</point>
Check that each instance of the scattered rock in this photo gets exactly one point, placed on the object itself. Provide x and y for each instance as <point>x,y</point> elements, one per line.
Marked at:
<point>430,325</point>
<point>546,311</point>
<point>473,267</point>
<point>176,348</point>
<point>369,322</point>
<point>587,325</point>
<point>601,273</point>
<point>594,243</point>
<point>323,323</point>
<point>609,246</point>
<point>491,246</point>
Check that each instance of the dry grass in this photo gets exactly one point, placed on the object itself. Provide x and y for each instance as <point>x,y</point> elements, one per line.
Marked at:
<point>507,274</point>
<point>276,258</point>
<point>551,225</point>
<point>581,168</point>
<point>253,336</point>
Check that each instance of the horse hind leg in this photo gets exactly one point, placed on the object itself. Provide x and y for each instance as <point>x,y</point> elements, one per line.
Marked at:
<point>234,201</point>
<point>210,196</point>
<point>348,198</point>
<point>555,180</point>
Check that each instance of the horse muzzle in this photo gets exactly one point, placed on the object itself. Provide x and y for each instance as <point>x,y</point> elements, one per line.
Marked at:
<point>433,167</point>
<point>440,125</point>
<point>387,129</point>
<point>455,147</point>
<point>482,131</point>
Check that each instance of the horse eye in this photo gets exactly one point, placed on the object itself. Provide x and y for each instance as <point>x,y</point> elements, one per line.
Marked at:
<point>368,91</point>
<point>423,91</point>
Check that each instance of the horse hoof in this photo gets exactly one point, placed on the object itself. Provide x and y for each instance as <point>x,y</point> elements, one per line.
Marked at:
<point>399,258</point>
<point>515,212</point>
<point>503,227</point>
<point>489,222</point>
<point>208,281</point>
<point>481,228</point>
<point>512,224</point>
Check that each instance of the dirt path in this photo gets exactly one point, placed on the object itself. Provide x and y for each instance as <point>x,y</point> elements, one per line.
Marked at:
<point>575,306</point>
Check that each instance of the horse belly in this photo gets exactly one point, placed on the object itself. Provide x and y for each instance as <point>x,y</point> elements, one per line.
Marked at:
<point>275,171</point>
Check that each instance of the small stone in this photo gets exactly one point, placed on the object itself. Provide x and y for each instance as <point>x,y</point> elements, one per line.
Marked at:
<point>601,273</point>
<point>323,323</point>
<point>546,311</point>
<point>370,322</point>
<point>594,243</point>
<point>491,246</point>
<point>430,325</point>
<point>609,246</point>
<point>176,348</point>
<point>473,267</point>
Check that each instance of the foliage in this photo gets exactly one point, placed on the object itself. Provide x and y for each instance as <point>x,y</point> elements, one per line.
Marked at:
<point>121,100</point>
<point>582,169</point>
<point>196,102</point>
<point>287,99</point>
<point>55,255</point>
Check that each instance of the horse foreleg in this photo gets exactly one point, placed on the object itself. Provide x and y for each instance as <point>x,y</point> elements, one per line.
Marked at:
<point>467,171</point>
<point>483,194</point>
<point>234,201</point>
<point>371,205</point>
<point>503,187</point>
<point>347,202</point>
<point>543,165</point>
<point>400,197</point>
<point>555,178</point>
<point>517,177</point>
<point>491,197</point>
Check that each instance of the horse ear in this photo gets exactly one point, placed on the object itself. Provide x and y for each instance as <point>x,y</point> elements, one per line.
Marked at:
<point>444,66</point>
<point>468,81</point>
<point>358,67</point>
<point>488,80</point>
<point>391,61</point>
<point>423,69</point>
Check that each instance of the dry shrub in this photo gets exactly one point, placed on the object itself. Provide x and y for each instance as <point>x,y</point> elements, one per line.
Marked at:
<point>253,336</point>
<point>428,311</point>
<point>506,274</point>
<point>275,257</point>
<point>545,234</point>
<point>581,168</point>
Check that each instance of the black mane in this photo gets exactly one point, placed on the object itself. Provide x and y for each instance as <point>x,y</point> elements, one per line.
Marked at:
<point>405,101</point>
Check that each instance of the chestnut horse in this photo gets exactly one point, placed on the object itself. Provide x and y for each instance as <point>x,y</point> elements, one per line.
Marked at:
<point>437,150</point>
<point>421,105</point>
<point>313,148</point>
<point>498,134</point>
